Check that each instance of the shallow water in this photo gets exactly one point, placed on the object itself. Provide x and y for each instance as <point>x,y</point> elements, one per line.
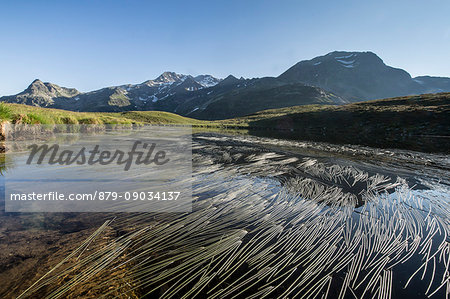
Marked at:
<point>270,218</point>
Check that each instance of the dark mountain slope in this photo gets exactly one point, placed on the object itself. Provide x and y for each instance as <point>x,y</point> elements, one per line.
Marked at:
<point>354,75</point>
<point>433,84</point>
<point>237,97</point>
<point>255,95</point>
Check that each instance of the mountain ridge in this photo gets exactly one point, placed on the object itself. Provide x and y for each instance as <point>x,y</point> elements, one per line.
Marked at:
<point>338,77</point>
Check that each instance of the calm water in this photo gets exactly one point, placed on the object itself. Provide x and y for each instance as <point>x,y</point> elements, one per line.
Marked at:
<point>270,219</point>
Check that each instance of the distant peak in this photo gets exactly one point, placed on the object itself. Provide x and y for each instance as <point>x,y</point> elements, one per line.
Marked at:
<point>230,77</point>
<point>46,89</point>
<point>345,59</point>
<point>367,56</point>
<point>203,76</point>
<point>206,80</point>
<point>337,53</point>
<point>36,85</point>
<point>170,77</point>
<point>229,80</point>
<point>36,82</point>
<point>167,73</point>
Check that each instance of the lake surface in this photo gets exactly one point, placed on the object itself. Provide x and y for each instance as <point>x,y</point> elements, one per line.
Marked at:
<point>271,218</point>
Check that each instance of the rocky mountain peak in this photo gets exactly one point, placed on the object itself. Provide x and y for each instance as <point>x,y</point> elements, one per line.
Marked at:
<point>37,87</point>
<point>168,77</point>
<point>36,82</point>
<point>206,80</point>
<point>44,89</point>
<point>190,84</point>
<point>229,80</point>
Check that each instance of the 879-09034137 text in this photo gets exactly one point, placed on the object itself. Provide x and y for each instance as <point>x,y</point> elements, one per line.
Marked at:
<point>98,195</point>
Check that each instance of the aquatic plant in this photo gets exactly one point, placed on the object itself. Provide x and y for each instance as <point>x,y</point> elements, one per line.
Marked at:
<point>272,227</point>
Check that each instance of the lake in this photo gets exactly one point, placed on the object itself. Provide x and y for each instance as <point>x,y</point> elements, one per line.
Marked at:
<point>270,218</point>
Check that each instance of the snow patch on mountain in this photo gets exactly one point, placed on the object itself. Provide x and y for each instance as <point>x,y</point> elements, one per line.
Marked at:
<point>167,95</point>
<point>345,57</point>
<point>206,80</point>
<point>346,63</point>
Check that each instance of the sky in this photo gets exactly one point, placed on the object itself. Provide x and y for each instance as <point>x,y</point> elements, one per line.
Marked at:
<point>93,44</point>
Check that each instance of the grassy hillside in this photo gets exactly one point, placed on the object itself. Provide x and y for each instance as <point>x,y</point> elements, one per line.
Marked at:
<point>427,102</point>
<point>413,122</point>
<point>17,113</point>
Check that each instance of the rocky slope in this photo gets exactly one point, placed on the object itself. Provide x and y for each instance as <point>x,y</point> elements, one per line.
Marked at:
<point>42,94</point>
<point>116,98</point>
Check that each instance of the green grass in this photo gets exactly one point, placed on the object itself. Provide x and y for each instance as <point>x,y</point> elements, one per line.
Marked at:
<point>119,100</point>
<point>159,117</point>
<point>17,113</point>
<point>5,111</point>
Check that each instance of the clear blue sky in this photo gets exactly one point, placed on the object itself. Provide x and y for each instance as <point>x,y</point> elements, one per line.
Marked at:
<point>93,44</point>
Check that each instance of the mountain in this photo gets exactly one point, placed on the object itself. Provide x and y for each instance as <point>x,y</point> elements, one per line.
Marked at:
<point>202,96</point>
<point>359,76</point>
<point>237,97</point>
<point>206,80</point>
<point>41,94</point>
<point>335,78</point>
<point>433,84</point>
<point>142,96</point>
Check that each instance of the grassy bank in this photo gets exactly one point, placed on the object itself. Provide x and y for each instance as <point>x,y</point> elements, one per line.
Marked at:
<point>414,122</point>
<point>16,113</point>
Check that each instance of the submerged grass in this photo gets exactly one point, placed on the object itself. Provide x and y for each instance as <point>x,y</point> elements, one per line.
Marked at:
<point>255,237</point>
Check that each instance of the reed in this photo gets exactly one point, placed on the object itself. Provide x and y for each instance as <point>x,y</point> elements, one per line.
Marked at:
<point>254,236</point>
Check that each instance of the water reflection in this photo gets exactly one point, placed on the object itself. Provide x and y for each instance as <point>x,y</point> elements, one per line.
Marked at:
<point>275,218</point>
